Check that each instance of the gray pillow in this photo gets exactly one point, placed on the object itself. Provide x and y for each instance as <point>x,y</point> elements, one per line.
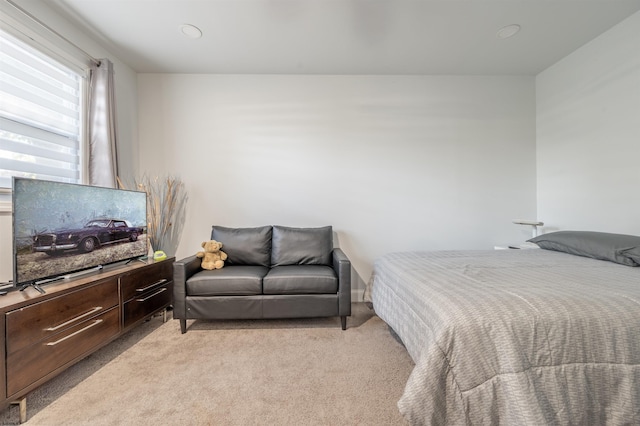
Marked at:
<point>301,246</point>
<point>633,254</point>
<point>244,246</point>
<point>618,248</point>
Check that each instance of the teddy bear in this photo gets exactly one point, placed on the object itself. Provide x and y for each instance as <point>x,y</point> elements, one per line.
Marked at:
<point>212,256</point>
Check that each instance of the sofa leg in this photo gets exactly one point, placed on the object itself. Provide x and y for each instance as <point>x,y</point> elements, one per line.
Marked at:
<point>343,319</point>
<point>183,325</point>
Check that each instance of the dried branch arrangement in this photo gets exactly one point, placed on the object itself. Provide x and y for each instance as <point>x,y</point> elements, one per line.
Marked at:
<point>166,208</point>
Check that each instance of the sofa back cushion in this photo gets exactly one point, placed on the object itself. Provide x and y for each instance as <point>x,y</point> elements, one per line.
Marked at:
<point>301,246</point>
<point>244,246</point>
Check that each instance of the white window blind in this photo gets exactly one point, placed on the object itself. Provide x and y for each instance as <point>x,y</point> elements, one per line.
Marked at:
<point>40,115</point>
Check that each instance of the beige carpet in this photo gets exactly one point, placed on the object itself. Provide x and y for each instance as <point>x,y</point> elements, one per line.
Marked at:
<point>279,372</point>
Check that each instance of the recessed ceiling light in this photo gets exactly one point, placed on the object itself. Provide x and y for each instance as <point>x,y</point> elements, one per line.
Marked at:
<point>508,31</point>
<point>191,31</point>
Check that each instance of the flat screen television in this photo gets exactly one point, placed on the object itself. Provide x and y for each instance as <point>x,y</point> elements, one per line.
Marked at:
<point>62,228</point>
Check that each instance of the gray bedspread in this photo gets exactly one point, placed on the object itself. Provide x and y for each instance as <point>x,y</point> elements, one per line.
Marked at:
<point>514,337</point>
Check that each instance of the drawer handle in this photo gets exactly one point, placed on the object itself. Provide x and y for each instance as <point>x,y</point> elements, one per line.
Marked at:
<point>162,290</point>
<point>72,320</point>
<point>142,290</point>
<point>95,322</point>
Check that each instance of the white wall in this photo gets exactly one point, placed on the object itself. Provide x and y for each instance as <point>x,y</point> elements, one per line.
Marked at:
<point>127,113</point>
<point>588,135</point>
<point>393,163</point>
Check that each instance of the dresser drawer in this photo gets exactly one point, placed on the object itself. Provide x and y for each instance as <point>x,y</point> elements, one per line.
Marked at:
<point>147,303</point>
<point>137,282</point>
<point>41,320</point>
<point>32,363</point>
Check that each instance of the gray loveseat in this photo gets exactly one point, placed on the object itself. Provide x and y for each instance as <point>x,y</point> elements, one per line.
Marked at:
<point>270,272</point>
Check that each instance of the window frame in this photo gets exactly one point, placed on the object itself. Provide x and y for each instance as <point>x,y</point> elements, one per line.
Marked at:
<point>20,24</point>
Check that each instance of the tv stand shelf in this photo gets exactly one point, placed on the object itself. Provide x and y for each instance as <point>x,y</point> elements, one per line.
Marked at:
<point>44,334</point>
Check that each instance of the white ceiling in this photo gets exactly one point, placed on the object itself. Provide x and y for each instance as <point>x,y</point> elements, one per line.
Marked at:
<point>344,36</point>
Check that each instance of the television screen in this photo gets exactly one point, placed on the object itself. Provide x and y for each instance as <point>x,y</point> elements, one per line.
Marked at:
<point>62,228</point>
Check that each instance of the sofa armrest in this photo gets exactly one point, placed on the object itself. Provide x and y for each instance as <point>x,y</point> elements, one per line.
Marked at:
<point>342,267</point>
<point>182,271</point>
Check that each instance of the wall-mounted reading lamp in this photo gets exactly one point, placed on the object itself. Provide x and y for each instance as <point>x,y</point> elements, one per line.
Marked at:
<point>533,223</point>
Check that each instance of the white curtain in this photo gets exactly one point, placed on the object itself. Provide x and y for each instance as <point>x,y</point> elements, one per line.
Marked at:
<point>103,160</point>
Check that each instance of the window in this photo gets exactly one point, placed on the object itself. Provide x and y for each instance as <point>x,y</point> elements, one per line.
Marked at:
<point>41,115</point>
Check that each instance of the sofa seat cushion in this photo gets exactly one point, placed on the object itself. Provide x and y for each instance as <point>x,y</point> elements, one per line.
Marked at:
<point>228,281</point>
<point>300,279</point>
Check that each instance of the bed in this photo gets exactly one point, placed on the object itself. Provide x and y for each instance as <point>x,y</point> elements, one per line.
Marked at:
<point>517,337</point>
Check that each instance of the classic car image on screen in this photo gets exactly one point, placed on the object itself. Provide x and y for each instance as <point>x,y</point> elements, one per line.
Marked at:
<point>93,234</point>
<point>60,228</point>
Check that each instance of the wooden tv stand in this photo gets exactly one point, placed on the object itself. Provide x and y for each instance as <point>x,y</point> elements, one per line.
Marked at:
<point>44,334</point>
